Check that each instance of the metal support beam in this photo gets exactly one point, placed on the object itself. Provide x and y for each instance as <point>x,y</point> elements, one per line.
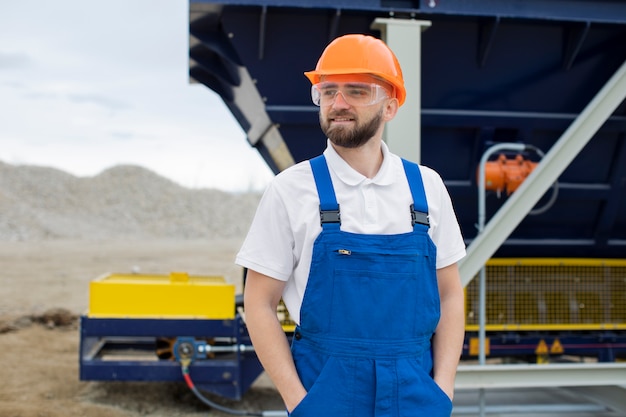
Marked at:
<point>404,37</point>
<point>614,397</point>
<point>547,172</point>
<point>486,36</point>
<point>553,375</point>
<point>533,409</point>
<point>575,37</point>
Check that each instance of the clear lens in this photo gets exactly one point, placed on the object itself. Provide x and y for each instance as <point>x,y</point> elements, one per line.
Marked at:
<point>355,94</point>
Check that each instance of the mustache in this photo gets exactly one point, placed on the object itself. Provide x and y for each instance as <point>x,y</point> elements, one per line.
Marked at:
<point>340,113</point>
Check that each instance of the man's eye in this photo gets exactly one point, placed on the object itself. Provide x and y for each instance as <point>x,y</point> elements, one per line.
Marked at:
<point>357,92</point>
<point>329,92</point>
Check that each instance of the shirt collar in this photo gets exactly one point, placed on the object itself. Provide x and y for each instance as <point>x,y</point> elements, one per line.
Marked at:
<point>349,176</point>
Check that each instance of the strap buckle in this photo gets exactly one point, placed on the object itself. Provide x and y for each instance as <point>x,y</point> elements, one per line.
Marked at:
<point>419,217</point>
<point>330,216</point>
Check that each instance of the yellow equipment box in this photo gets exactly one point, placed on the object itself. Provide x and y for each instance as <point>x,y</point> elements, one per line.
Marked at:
<point>160,296</point>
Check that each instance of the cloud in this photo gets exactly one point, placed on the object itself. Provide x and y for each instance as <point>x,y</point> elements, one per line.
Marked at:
<point>122,135</point>
<point>100,100</point>
<point>88,85</point>
<point>40,95</point>
<point>15,61</point>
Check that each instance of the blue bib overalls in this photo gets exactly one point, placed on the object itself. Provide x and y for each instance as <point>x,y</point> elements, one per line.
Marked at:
<point>370,308</point>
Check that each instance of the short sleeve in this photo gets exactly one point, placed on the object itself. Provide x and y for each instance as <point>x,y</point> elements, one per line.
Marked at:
<point>268,247</point>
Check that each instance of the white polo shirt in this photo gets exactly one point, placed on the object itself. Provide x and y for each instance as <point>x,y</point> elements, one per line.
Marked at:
<point>287,222</point>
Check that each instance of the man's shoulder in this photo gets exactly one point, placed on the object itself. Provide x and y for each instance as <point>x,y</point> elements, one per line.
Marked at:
<point>430,173</point>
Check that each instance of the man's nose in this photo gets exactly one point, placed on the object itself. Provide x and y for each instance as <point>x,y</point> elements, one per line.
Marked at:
<point>341,103</point>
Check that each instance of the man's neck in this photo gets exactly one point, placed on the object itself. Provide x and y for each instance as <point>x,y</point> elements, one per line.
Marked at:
<point>365,159</point>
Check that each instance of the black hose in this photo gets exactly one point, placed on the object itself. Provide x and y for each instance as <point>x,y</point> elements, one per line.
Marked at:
<point>210,403</point>
<point>555,187</point>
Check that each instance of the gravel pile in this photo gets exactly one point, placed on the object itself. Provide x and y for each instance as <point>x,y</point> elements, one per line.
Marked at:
<point>38,203</point>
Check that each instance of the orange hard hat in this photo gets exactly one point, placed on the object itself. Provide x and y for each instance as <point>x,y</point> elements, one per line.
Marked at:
<point>360,54</point>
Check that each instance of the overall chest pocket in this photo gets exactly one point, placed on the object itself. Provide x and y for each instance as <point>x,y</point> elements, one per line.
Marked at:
<point>382,295</point>
<point>371,290</point>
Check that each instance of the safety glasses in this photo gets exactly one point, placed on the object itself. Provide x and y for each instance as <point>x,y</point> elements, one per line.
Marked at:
<point>355,94</point>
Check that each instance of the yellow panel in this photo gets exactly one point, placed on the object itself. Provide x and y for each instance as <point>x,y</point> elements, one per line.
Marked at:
<point>474,346</point>
<point>556,262</point>
<point>546,327</point>
<point>551,293</point>
<point>160,296</point>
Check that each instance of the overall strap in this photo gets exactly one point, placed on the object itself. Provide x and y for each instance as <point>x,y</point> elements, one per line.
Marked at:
<point>419,208</point>
<point>329,209</point>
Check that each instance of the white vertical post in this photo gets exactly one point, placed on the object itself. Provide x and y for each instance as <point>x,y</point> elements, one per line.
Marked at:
<point>404,37</point>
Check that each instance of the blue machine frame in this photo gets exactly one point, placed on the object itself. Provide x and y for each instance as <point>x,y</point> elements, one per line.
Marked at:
<point>228,375</point>
<point>605,346</point>
<point>492,71</point>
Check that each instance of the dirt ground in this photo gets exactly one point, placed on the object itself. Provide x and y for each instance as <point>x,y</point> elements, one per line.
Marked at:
<point>44,288</point>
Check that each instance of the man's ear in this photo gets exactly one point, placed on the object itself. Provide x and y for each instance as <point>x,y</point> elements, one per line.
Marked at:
<point>391,109</point>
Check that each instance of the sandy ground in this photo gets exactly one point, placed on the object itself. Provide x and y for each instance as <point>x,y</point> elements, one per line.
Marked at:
<point>39,358</point>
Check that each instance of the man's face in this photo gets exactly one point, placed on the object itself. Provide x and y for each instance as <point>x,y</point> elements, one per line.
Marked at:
<point>348,125</point>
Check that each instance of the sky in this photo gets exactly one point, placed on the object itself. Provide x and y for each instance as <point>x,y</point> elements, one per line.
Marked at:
<point>86,85</point>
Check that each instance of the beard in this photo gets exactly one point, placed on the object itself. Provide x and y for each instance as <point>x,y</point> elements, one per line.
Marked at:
<point>359,135</point>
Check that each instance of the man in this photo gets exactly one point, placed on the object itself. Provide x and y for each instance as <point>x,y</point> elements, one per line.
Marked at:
<point>363,248</point>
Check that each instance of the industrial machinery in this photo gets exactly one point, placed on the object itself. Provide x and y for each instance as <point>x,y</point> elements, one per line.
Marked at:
<point>145,327</point>
<point>172,327</point>
<point>543,309</point>
<point>484,73</point>
<point>180,327</point>
<point>491,72</point>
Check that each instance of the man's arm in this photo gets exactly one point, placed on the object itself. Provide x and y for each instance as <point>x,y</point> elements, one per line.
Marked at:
<point>449,336</point>
<point>261,297</point>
